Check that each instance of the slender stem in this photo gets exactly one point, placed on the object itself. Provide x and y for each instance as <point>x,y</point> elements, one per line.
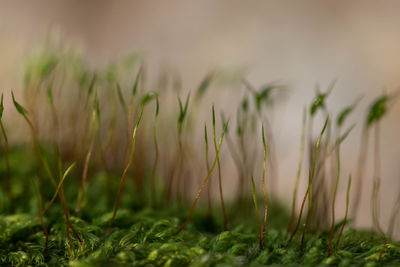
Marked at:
<point>84,174</point>
<point>49,173</point>
<point>60,193</point>
<point>260,234</point>
<point>377,180</point>
<point>347,212</point>
<point>180,165</point>
<point>124,173</point>
<point>238,165</point>
<point>43,212</point>
<point>264,185</point>
<point>204,183</point>
<point>220,178</point>
<point>299,168</point>
<point>155,164</point>
<point>334,196</point>
<point>376,187</point>
<point>310,181</point>
<point>208,168</point>
<point>360,172</point>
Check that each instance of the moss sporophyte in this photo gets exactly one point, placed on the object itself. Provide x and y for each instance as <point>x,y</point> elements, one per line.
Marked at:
<point>113,171</point>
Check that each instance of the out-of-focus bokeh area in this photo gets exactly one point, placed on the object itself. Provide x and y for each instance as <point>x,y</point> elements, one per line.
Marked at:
<point>298,44</point>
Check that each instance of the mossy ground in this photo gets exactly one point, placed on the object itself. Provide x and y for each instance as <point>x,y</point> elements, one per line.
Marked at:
<point>79,121</point>
<point>145,236</point>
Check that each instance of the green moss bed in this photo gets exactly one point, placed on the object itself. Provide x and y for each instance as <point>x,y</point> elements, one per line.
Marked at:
<point>145,236</point>
<point>142,238</point>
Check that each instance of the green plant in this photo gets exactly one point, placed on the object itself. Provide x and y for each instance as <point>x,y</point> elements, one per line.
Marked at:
<point>346,213</point>
<point>260,231</point>
<point>339,122</point>
<point>145,99</point>
<point>308,192</point>
<point>45,167</point>
<point>217,151</point>
<point>207,167</point>
<point>221,195</point>
<point>156,150</point>
<point>59,187</point>
<point>95,125</point>
<point>264,185</point>
<point>123,228</point>
<point>296,186</point>
<point>183,109</point>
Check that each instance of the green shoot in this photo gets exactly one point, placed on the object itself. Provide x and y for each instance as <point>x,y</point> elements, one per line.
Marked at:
<point>302,143</point>
<point>94,128</point>
<point>264,97</point>
<point>181,118</point>
<point>121,97</point>
<point>129,108</point>
<point>3,131</point>
<point>319,100</point>
<point>360,171</point>
<point>219,172</point>
<point>143,103</point>
<point>375,113</point>
<point>318,209</point>
<point>59,192</point>
<point>90,89</point>
<point>57,153</point>
<point>376,185</point>
<point>346,214</point>
<point>21,110</point>
<point>261,96</point>
<point>182,112</point>
<point>260,235</point>
<point>242,119</point>
<point>339,122</point>
<point>44,164</point>
<point>310,181</point>
<point>136,83</point>
<point>154,169</point>
<point>377,110</point>
<point>346,112</point>
<point>43,212</point>
<point>208,167</point>
<point>376,181</point>
<point>237,160</point>
<point>205,179</point>
<point>205,83</point>
<point>264,185</point>
<point>123,177</point>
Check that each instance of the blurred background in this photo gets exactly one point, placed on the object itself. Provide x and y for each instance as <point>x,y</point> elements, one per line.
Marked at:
<point>296,43</point>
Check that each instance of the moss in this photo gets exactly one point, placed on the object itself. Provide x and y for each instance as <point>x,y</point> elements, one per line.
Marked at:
<point>139,233</point>
<point>148,238</point>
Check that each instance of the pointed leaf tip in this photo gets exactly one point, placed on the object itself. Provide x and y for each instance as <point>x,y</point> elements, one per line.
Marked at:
<point>21,110</point>
<point>148,97</point>
<point>377,110</point>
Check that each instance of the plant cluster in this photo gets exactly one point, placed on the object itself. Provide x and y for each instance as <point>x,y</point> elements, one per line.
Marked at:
<point>108,172</point>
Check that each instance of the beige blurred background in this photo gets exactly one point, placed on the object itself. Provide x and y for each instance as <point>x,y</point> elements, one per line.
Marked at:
<point>298,43</point>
